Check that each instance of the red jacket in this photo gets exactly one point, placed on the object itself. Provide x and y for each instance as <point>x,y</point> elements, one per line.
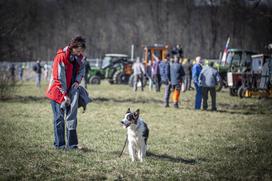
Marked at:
<point>61,77</point>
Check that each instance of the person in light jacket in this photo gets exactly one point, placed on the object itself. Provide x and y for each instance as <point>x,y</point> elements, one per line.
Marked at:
<point>138,73</point>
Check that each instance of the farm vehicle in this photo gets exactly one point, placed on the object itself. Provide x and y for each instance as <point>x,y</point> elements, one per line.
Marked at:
<point>258,80</point>
<point>114,67</point>
<point>237,61</point>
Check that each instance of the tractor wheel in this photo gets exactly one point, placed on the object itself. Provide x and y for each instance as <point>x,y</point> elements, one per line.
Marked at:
<point>219,86</point>
<point>241,92</point>
<point>131,80</point>
<point>232,92</point>
<point>95,80</point>
<point>120,78</point>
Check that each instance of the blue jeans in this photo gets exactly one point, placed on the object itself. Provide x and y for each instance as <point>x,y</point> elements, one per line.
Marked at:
<point>198,96</point>
<point>38,79</point>
<point>59,125</point>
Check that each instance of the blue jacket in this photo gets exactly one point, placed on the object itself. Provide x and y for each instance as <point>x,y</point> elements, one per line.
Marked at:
<point>209,77</point>
<point>176,73</point>
<point>196,72</point>
<point>165,71</point>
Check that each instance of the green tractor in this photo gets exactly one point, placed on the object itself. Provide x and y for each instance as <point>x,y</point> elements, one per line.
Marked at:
<point>114,67</point>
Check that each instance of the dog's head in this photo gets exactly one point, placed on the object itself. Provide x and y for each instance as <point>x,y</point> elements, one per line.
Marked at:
<point>130,118</point>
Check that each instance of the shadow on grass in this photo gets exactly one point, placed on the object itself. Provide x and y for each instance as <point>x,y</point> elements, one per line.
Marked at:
<point>251,109</point>
<point>128,100</point>
<point>86,150</point>
<point>171,158</point>
<point>25,99</point>
<point>164,157</point>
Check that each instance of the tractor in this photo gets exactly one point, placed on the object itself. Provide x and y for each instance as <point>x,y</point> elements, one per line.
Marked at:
<point>257,81</point>
<point>237,61</point>
<point>160,51</point>
<point>114,67</point>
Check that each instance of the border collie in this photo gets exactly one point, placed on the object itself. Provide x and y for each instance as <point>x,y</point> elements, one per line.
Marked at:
<point>137,134</point>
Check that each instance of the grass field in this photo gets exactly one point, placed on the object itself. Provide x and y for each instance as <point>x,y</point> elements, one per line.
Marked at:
<point>234,143</point>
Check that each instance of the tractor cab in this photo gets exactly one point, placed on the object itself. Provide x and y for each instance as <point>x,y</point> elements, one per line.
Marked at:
<point>238,60</point>
<point>113,59</point>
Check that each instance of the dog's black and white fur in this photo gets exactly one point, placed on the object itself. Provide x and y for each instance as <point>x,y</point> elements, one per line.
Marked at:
<point>137,133</point>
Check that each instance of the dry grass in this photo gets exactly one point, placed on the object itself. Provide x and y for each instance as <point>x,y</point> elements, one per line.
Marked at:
<point>232,144</point>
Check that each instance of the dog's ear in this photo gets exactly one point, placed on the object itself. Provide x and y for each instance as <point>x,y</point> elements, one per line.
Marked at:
<point>128,111</point>
<point>136,114</point>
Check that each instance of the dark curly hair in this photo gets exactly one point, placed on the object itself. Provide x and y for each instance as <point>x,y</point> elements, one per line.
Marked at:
<point>77,42</point>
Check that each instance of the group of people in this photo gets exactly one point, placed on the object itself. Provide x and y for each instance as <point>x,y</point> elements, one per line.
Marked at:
<point>37,68</point>
<point>176,76</point>
<point>12,72</point>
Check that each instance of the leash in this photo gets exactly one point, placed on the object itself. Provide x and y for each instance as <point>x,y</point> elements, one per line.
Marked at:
<point>124,146</point>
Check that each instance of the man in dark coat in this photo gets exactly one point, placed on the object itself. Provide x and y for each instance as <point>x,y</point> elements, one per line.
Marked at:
<point>176,74</point>
<point>165,79</point>
<point>187,66</point>
<point>38,70</point>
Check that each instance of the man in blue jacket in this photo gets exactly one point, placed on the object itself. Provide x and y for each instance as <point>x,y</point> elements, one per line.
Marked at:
<point>208,79</point>
<point>165,79</point>
<point>195,75</point>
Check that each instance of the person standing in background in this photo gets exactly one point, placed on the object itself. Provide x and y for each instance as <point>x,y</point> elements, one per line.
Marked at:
<point>38,70</point>
<point>187,66</point>
<point>21,72</point>
<point>87,71</point>
<point>195,75</point>
<point>138,73</point>
<point>46,71</point>
<point>176,74</point>
<point>149,75</point>
<point>165,79</point>
<point>12,72</point>
<point>156,73</point>
<point>208,79</point>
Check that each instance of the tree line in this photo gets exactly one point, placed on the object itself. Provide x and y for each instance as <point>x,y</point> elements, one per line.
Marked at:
<point>33,29</point>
